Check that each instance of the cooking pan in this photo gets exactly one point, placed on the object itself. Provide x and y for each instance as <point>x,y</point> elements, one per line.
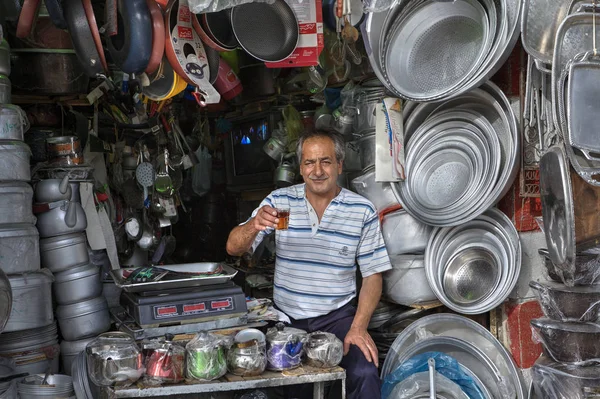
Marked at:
<point>217,25</point>
<point>206,39</point>
<point>91,18</point>
<point>27,18</point>
<point>158,36</point>
<point>131,47</point>
<point>277,35</point>
<point>164,82</point>
<point>82,38</point>
<point>55,11</point>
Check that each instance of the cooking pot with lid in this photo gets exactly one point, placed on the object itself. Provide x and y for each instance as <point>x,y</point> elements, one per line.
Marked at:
<point>114,358</point>
<point>284,347</point>
<point>247,357</point>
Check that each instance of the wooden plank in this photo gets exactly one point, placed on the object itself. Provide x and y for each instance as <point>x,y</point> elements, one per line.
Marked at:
<point>427,305</point>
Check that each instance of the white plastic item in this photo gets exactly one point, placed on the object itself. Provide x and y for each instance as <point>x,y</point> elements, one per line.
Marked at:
<point>406,284</point>
<point>404,234</point>
<point>380,194</point>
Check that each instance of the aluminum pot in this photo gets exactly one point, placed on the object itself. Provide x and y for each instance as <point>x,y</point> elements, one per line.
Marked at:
<point>64,252</point>
<point>52,190</point>
<point>4,57</point>
<point>406,284</point>
<point>83,319</point>
<point>77,284</point>
<point>380,194</point>
<point>19,251</point>
<point>57,386</point>
<point>32,301</point>
<point>69,351</point>
<point>585,272</point>
<point>274,148</point>
<point>14,161</point>
<point>16,200</point>
<point>569,342</point>
<point>323,350</point>
<point>560,302</point>
<point>13,122</point>
<point>114,358</point>
<point>248,355</point>
<point>64,217</point>
<point>404,234</point>
<point>285,173</point>
<point>5,90</point>
<point>366,150</point>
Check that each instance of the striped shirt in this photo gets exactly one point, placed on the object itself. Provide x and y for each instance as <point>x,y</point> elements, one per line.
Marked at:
<point>315,264</point>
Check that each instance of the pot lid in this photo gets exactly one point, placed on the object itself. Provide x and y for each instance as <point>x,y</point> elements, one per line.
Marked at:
<point>113,344</point>
<point>163,344</point>
<point>15,187</point>
<point>10,145</point>
<point>62,241</point>
<point>557,207</point>
<point>74,347</point>
<point>18,230</point>
<point>281,334</point>
<point>566,326</point>
<point>249,334</point>
<point>5,302</point>
<point>77,272</point>
<point>81,308</point>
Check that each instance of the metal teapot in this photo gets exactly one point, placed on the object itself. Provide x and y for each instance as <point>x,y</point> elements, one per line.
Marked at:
<point>286,172</point>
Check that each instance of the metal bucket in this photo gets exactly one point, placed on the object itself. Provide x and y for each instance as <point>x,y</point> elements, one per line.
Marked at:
<point>84,319</point>
<point>19,248</point>
<point>78,284</point>
<point>69,351</point>
<point>32,301</point>
<point>15,203</point>
<point>14,161</point>
<point>13,121</point>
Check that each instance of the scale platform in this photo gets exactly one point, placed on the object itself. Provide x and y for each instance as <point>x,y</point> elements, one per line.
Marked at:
<point>180,306</point>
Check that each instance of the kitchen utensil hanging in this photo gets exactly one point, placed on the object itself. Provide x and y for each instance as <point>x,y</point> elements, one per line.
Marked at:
<point>82,37</point>
<point>144,174</point>
<point>218,26</point>
<point>91,18</point>
<point>162,182</point>
<point>185,51</point>
<point>278,35</point>
<point>158,36</point>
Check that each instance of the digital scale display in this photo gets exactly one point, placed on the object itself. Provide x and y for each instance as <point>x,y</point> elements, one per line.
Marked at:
<point>193,308</point>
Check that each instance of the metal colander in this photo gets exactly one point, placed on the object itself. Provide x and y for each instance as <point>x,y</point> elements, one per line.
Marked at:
<point>268,32</point>
<point>471,275</point>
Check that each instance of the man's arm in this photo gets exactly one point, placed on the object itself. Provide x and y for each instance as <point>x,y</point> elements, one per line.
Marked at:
<point>242,237</point>
<point>369,296</point>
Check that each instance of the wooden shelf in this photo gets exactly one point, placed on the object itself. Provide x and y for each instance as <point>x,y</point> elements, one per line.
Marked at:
<point>73,100</point>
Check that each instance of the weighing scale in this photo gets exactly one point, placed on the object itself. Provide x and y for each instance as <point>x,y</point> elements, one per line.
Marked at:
<point>183,310</point>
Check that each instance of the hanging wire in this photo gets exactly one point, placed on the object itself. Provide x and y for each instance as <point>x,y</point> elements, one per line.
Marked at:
<point>594,26</point>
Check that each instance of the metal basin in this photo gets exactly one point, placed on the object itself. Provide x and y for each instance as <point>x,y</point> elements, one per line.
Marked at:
<point>569,342</point>
<point>564,303</point>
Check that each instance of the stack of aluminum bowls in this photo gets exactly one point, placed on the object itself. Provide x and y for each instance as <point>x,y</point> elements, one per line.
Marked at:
<point>32,350</point>
<point>56,386</point>
<point>569,332</point>
<point>461,43</point>
<point>5,86</point>
<point>472,268</point>
<point>478,353</point>
<point>462,156</point>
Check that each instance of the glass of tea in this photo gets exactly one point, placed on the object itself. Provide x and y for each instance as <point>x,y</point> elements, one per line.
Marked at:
<point>283,214</point>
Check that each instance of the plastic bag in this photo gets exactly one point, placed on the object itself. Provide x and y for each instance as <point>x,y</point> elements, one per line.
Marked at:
<point>445,365</point>
<point>201,172</point>
<point>585,271</point>
<point>378,5</point>
<point>560,302</point>
<point>206,357</point>
<point>418,384</point>
<point>559,381</point>
<point>323,350</point>
<point>293,126</point>
<point>205,6</point>
<point>285,347</point>
<point>164,361</point>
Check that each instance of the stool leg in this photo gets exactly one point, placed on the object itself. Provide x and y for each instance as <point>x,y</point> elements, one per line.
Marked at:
<point>344,388</point>
<point>319,390</point>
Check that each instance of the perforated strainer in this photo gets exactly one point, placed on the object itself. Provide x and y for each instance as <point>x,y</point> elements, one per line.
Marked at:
<point>144,174</point>
<point>471,275</point>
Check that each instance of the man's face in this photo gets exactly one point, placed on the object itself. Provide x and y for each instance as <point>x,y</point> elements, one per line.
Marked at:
<point>318,166</point>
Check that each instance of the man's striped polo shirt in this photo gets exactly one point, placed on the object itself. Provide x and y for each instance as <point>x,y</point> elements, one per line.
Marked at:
<point>315,266</point>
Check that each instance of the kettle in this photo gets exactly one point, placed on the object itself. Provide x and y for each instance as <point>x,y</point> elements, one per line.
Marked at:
<point>286,172</point>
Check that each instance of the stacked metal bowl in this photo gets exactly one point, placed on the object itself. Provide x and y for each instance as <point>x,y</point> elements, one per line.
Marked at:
<point>479,355</point>
<point>50,386</point>
<point>427,50</point>
<point>473,268</point>
<point>462,155</point>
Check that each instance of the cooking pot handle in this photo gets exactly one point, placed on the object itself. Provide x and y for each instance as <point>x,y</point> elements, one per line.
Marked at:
<point>64,185</point>
<point>71,215</point>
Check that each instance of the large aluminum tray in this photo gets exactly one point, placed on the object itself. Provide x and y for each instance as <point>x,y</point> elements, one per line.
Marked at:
<point>228,274</point>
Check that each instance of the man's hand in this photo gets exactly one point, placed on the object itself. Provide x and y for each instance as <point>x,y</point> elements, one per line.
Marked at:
<point>361,338</point>
<point>265,217</point>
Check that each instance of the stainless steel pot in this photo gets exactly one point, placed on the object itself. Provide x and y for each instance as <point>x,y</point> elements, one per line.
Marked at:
<point>20,252</point>
<point>114,358</point>
<point>13,122</point>
<point>64,252</point>
<point>404,234</point>
<point>16,203</point>
<point>379,193</point>
<point>5,90</point>
<point>56,386</point>
<point>83,319</point>
<point>66,217</point>
<point>569,342</point>
<point>32,301</point>
<point>52,190</point>
<point>406,284</point>
<point>14,161</point>
<point>285,173</point>
<point>77,284</point>
<point>560,302</point>
<point>69,351</point>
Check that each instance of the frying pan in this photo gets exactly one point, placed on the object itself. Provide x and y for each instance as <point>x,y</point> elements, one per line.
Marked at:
<point>91,18</point>
<point>213,63</point>
<point>158,36</point>
<point>55,11</point>
<point>206,39</point>
<point>217,25</point>
<point>165,83</point>
<point>27,17</point>
<point>81,36</point>
<point>268,32</point>
<point>131,47</point>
